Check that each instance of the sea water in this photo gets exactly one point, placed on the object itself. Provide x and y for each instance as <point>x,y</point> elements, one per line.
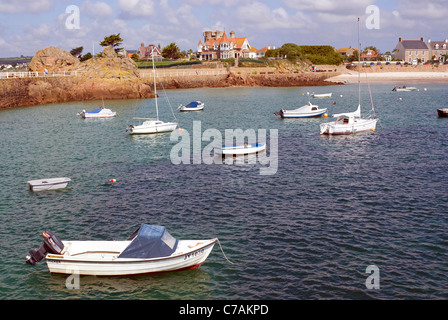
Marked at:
<point>335,206</point>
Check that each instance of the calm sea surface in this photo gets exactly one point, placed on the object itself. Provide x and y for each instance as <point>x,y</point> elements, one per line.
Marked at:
<point>335,205</point>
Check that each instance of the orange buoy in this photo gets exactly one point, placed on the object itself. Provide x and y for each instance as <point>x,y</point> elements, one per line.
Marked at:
<point>113,180</point>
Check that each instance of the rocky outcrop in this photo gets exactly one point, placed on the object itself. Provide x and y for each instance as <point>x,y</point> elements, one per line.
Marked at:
<point>107,77</point>
<point>109,66</point>
<point>53,59</point>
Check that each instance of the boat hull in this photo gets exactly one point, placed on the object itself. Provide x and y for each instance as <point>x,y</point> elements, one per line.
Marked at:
<point>107,263</point>
<point>293,114</point>
<point>240,150</point>
<point>48,184</point>
<point>153,128</point>
<point>442,113</point>
<point>322,95</point>
<point>337,128</point>
<point>104,113</point>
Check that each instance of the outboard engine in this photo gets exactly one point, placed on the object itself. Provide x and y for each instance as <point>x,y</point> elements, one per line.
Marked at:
<point>52,244</point>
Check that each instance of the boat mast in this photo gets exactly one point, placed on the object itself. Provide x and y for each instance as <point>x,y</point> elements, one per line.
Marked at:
<point>359,68</point>
<point>155,88</point>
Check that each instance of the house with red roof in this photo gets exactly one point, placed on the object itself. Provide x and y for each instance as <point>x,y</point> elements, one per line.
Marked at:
<point>217,45</point>
<point>149,51</point>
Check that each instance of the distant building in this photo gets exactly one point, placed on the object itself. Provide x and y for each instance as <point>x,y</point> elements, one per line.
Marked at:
<point>347,52</point>
<point>149,51</point>
<point>438,49</point>
<point>217,45</point>
<point>412,51</point>
<point>369,55</point>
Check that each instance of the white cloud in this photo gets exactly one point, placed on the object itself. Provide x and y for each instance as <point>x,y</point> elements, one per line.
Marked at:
<point>100,9</point>
<point>136,8</point>
<point>258,15</point>
<point>24,6</point>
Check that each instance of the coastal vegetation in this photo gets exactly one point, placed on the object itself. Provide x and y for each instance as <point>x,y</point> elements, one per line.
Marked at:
<point>314,54</point>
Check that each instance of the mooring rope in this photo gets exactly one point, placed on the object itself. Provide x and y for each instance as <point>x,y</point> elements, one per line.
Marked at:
<point>223,252</point>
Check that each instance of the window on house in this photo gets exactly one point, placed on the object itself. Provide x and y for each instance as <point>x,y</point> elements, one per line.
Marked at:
<point>410,52</point>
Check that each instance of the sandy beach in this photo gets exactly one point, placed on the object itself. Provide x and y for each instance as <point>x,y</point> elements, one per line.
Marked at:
<point>399,78</point>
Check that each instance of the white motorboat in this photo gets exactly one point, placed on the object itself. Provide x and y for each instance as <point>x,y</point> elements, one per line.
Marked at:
<point>152,125</point>
<point>192,106</point>
<point>321,95</point>
<point>48,184</point>
<point>404,89</point>
<point>150,249</point>
<point>98,113</point>
<point>307,111</point>
<point>350,122</point>
<point>240,150</point>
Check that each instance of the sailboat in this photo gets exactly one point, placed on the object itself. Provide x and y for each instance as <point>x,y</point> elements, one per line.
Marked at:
<point>350,122</point>
<point>152,125</point>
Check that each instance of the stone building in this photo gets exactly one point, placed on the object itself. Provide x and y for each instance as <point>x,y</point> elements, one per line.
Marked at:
<point>412,51</point>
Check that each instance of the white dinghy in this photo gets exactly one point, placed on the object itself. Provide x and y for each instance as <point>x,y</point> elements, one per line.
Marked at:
<point>150,249</point>
<point>321,95</point>
<point>192,106</point>
<point>240,150</point>
<point>97,114</point>
<point>48,184</point>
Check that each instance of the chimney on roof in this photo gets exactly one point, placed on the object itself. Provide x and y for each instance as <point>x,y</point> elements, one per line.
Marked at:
<point>399,39</point>
<point>422,39</point>
<point>232,34</point>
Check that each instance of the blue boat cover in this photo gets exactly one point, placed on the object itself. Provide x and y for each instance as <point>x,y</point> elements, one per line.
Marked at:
<point>95,111</point>
<point>148,242</point>
<point>192,104</point>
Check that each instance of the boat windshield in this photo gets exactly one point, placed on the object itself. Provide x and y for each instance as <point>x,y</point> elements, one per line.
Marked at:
<point>150,242</point>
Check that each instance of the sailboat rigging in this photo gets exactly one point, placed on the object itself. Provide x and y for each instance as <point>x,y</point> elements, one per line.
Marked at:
<point>351,122</point>
<point>151,125</point>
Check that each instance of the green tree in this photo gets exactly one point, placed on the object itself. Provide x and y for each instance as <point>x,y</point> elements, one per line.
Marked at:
<point>135,56</point>
<point>171,51</point>
<point>85,57</point>
<point>114,41</point>
<point>291,51</point>
<point>76,52</point>
<point>272,53</point>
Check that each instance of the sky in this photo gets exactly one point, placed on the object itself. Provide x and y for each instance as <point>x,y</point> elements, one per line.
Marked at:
<point>27,26</point>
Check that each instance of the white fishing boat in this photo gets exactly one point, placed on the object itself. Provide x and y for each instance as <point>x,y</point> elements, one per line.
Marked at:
<point>350,122</point>
<point>321,95</point>
<point>192,106</point>
<point>404,89</point>
<point>152,125</point>
<point>48,184</point>
<point>150,249</point>
<point>307,111</point>
<point>240,150</point>
<point>101,112</point>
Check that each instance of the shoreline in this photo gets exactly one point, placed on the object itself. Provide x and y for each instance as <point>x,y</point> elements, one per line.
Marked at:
<point>399,78</point>
<point>38,91</point>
